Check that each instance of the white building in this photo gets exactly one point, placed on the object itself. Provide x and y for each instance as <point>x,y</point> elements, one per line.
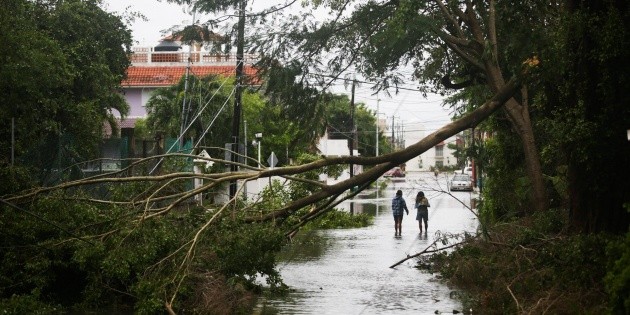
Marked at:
<point>333,148</point>
<point>438,156</point>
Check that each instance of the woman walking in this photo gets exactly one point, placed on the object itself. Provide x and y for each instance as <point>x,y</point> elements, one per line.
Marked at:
<point>398,206</point>
<point>422,204</point>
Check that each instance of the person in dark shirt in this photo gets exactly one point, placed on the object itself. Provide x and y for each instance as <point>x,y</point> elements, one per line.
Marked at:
<point>422,204</point>
<point>398,206</point>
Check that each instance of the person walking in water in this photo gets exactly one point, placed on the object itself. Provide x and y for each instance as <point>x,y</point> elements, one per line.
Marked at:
<point>398,205</point>
<point>422,204</point>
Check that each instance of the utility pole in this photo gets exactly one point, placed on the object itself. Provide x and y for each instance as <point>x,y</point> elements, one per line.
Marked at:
<point>185,102</point>
<point>378,100</point>
<point>236,119</point>
<point>377,121</point>
<point>393,138</point>
<point>246,155</point>
<point>352,136</point>
<point>352,129</point>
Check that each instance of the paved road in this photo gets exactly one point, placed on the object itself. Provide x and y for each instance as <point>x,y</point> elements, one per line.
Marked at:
<point>348,273</point>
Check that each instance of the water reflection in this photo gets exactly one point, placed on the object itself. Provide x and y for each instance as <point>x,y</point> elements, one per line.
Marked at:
<point>305,247</point>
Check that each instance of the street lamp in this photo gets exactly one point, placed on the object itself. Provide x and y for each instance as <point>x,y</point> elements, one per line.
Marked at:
<point>257,143</point>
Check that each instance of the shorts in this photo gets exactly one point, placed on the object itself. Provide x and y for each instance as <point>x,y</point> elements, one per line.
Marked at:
<point>423,215</point>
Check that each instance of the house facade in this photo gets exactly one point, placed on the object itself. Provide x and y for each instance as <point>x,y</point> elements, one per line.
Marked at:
<point>154,68</point>
<point>437,157</point>
<point>158,67</point>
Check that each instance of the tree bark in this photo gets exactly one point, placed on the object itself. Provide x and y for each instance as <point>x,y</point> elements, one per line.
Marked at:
<point>519,115</point>
<point>518,112</point>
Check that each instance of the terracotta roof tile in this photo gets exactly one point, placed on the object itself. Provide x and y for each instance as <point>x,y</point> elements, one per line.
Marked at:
<point>157,76</point>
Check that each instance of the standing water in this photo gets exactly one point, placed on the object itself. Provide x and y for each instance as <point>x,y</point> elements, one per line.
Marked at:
<point>346,271</point>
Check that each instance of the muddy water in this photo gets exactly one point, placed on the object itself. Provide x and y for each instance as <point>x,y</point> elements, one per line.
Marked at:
<point>347,271</point>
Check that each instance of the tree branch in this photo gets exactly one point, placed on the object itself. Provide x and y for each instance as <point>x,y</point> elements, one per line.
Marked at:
<point>492,32</point>
<point>450,17</point>
<point>426,251</point>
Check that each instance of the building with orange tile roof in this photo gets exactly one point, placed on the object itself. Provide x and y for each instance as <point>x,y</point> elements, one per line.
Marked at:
<point>153,69</point>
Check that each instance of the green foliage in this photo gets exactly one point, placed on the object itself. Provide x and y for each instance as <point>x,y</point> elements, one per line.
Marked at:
<point>301,189</point>
<point>142,131</point>
<point>338,123</point>
<point>209,97</point>
<point>122,262</point>
<point>337,219</point>
<point>584,114</point>
<point>62,65</point>
<point>26,304</point>
<point>245,251</point>
<point>534,262</point>
<point>617,279</point>
<point>288,132</point>
<point>505,187</point>
<point>274,196</point>
<point>14,179</point>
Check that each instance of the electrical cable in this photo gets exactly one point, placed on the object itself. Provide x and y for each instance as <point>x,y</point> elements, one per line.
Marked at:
<point>215,117</point>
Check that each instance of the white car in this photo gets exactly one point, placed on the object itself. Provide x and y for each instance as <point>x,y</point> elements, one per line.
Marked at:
<point>461,182</point>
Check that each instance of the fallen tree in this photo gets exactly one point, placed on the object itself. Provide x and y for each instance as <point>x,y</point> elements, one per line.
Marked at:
<point>145,240</point>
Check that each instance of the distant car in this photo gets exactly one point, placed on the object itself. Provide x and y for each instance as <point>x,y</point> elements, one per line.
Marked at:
<point>461,182</point>
<point>394,172</point>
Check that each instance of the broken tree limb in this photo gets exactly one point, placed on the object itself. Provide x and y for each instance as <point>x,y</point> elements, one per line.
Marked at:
<point>426,251</point>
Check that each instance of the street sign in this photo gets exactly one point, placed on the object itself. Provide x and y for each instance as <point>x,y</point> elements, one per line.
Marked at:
<point>272,160</point>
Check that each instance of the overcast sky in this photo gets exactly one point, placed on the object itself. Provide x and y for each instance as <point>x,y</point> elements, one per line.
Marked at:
<point>410,108</point>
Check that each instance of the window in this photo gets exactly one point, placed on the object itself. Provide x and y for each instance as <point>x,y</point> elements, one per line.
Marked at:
<point>439,150</point>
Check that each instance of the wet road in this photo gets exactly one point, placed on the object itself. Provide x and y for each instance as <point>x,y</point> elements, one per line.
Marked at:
<point>347,271</point>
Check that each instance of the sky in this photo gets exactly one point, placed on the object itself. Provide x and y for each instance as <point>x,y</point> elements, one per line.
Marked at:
<point>408,108</point>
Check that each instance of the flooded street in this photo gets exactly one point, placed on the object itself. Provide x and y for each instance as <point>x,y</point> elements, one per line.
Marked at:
<point>347,271</point>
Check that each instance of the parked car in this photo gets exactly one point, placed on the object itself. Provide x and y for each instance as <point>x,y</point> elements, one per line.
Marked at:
<point>394,172</point>
<point>461,182</point>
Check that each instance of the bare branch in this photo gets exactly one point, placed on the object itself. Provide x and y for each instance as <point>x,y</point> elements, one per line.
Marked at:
<point>426,251</point>
<point>450,17</point>
<point>471,59</point>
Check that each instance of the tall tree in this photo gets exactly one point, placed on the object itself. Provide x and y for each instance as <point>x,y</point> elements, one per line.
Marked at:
<point>450,44</point>
<point>585,106</point>
<point>62,66</point>
<point>34,72</point>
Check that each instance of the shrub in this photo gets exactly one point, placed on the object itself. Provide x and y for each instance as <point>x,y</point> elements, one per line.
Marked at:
<point>532,266</point>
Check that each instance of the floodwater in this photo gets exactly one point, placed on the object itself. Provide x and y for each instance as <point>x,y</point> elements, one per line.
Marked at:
<point>347,271</point>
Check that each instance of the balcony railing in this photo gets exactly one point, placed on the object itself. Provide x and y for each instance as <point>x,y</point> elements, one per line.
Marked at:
<point>146,55</point>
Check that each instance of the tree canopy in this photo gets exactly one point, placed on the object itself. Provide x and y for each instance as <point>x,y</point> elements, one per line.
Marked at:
<point>63,63</point>
<point>466,50</point>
